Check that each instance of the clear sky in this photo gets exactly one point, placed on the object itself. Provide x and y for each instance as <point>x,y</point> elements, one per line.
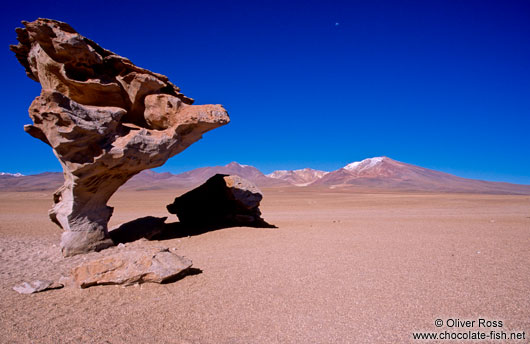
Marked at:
<point>440,84</point>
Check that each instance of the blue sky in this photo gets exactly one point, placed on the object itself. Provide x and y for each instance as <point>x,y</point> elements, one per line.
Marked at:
<point>440,84</point>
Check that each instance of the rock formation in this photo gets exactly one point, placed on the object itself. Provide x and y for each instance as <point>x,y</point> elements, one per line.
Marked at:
<point>223,200</point>
<point>106,120</point>
<point>130,267</point>
<point>37,286</point>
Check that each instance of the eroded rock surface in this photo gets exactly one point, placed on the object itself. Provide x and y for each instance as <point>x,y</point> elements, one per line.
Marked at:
<point>37,286</point>
<point>132,266</point>
<point>106,120</point>
<point>223,200</point>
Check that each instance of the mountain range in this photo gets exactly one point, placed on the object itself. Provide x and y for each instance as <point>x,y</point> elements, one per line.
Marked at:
<point>379,173</point>
<point>302,177</point>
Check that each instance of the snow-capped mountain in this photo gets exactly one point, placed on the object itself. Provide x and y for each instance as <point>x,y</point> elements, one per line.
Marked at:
<point>379,173</point>
<point>379,170</point>
<point>11,174</point>
<point>385,173</point>
<point>364,165</point>
<point>300,177</point>
<point>307,176</point>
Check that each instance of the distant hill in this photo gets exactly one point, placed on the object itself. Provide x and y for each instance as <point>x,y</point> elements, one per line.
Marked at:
<point>36,182</point>
<point>385,173</point>
<point>150,180</point>
<point>302,177</point>
<point>145,180</point>
<point>380,173</point>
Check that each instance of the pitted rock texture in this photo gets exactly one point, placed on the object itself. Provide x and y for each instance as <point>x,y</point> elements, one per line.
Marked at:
<point>223,200</point>
<point>106,120</point>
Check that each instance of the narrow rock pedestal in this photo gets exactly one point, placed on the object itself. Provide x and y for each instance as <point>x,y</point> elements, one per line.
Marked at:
<point>105,119</point>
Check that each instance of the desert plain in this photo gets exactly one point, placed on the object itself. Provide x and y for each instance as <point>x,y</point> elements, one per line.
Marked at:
<point>342,266</point>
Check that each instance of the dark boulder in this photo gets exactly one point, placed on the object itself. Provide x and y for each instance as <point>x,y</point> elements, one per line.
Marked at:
<point>223,200</point>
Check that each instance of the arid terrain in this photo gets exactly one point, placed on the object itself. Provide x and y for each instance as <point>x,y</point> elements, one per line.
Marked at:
<point>342,267</point>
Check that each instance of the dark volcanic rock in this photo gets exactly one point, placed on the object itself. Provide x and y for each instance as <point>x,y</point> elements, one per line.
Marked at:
<point>223,200</point>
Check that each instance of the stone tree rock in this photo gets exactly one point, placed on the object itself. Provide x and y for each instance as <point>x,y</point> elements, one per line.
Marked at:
<point>106,120</point>
<point>223,200</point>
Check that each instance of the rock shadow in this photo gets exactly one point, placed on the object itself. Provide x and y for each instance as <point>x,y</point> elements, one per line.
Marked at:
<point>144,227</point>
<point>177,230</point>
<point>155,228</point>
<point>185,273</point>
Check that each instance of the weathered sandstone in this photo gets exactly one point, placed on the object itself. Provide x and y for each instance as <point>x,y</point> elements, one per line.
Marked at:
<point>105,119</point>
<point>131,266</point>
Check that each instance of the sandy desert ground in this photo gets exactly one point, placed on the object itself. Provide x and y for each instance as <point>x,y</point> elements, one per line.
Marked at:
<point>340,268</point>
